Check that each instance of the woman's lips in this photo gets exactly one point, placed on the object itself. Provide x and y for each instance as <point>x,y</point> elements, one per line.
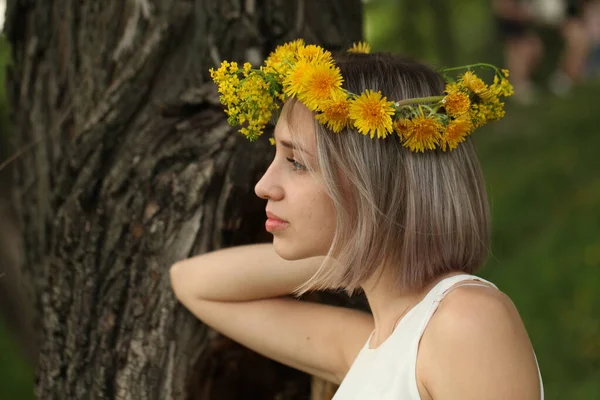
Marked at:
<point>274,223</point>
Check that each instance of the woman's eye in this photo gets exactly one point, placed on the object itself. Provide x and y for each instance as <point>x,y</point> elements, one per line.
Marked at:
<point>296,164</point>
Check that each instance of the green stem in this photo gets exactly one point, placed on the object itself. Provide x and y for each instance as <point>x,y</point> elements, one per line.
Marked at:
<point>418,100</point>
<point>470,66</point>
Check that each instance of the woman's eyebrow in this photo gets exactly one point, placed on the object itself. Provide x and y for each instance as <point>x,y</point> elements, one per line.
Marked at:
<point>292,146</point>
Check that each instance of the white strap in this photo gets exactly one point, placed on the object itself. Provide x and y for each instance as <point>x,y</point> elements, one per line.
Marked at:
<point>473,282</point>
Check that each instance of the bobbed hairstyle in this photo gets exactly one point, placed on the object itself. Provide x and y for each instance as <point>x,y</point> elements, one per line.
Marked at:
<point>414,216</point>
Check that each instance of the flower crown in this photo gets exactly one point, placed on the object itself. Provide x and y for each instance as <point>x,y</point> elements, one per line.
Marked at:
<point>309,73</point>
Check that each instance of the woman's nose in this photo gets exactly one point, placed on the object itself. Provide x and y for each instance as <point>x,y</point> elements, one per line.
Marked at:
<point>268,187</point>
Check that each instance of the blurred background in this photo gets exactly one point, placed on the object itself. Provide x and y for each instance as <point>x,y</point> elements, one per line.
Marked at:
<point>541,164</point>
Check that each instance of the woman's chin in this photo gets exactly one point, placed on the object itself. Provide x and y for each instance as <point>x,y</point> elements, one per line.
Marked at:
<point>291,251</point>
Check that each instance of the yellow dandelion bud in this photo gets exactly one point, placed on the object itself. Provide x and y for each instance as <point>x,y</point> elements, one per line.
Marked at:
<point>223,72</point>
<point>453,87</point>
<point>247,68</point>
<point>281,97</point>
<point>502,87</point>
<point>371,114</point>
<point>478,116</point>
<point>227,80</point>
<point>320,82</point>
<point>456,103</point>
<point>335,112</point>
<point>494,110</point>
<point>254,106</point>
<point>402,127</point>
<point>486,112</point>
<point>360,47</point>
<point>456,132</point>
<point>506,88</point>
<point>423,133</point>
<point>233,67</point>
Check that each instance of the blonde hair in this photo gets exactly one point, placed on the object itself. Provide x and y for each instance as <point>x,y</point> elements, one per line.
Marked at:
<point>419,215</point>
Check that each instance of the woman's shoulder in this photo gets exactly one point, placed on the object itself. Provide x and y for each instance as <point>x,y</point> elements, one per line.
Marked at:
<point>481,305</point>
<point>477,333</point>
<point>476,315</point>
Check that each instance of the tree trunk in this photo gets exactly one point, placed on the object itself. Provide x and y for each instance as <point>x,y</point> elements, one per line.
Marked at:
<point>134,168</point>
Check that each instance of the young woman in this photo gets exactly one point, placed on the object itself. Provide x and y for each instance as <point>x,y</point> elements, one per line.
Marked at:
<point>396,213</point>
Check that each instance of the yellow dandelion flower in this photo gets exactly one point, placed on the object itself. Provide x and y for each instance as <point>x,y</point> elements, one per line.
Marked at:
<point>505,72</point>
<point>456,103</point>
<point>313,53</point>
<point>320,81</point>
<point>423,133</point>
<point>284,55</point>
<point>360,47</point>
<point>456,132</point>
<point>335,112</point>
<point>295,79</point>
<point>472,82</point>
<point>372,113</point>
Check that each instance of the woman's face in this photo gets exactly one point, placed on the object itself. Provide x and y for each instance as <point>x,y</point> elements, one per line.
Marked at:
<point>299,210</point>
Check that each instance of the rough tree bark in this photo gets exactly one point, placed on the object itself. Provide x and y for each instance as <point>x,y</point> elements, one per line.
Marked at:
<point>135,168</point>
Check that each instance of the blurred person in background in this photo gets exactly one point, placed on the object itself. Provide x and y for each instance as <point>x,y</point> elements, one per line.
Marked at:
<point>576,36</point>
<point>523,47</point>
<point>591,16</point>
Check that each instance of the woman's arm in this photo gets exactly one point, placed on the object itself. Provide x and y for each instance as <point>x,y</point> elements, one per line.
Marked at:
<point>240,273</point>
<point>237,292</point>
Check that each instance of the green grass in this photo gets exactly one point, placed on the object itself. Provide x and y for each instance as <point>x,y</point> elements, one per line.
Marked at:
<point>16,375</point>
<point>542,166</point>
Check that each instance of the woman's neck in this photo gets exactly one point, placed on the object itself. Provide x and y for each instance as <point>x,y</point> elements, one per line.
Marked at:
<point>389,304</point>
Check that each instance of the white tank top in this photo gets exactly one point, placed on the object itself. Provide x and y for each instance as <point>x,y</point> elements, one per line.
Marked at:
<point>389,371</point>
